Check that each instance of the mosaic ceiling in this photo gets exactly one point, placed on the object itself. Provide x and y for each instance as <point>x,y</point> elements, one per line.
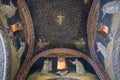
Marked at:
<point>59,23</point>
<point>62,24</point>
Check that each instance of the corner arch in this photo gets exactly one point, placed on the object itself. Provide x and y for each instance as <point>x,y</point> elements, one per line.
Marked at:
<point>70,51</point>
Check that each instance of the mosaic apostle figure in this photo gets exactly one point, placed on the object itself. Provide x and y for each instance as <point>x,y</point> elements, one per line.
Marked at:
<point>47,66</point>
<point>111,7</point>
<point>8,10</point>
<point>79,67</point>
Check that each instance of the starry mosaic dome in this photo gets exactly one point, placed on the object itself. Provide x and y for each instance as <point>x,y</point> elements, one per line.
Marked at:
<point>58,22</point>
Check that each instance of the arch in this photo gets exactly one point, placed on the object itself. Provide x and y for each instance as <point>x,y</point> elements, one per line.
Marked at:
<point>91,23</point>
<point>116,54</point>
<point>22,73</point>
<point>29,34</point>
<point>5,52</point>
<point>70,51</point>
<point>5,55</point>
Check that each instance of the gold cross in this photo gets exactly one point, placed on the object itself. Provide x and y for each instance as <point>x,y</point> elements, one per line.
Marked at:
<point>60,18</point>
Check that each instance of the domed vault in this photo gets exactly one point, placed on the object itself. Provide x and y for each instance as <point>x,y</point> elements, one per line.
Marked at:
<point>64,31</point>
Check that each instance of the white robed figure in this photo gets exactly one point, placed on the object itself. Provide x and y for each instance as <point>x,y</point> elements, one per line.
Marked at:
<point>79,67</point>
<point>47,66</point>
